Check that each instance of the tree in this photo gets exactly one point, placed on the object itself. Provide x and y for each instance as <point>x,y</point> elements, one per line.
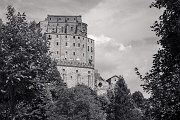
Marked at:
<point>77,103</point>
<point>121,106</point>
<point>142,104</point>
<point>163,80</point>
<point>25,65</point>
<point>139,99</point>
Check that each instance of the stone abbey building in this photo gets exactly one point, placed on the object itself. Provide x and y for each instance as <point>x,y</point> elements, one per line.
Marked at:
<point>70,46</point>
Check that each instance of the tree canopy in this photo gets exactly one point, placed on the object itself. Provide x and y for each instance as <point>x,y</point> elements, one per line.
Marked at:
<point>25,65</point>
<point>121,105</point>
<point>77,103</point>
<point>163,80</point>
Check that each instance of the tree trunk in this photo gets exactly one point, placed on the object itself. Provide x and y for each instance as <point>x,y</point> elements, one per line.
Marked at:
<point>12,98</point>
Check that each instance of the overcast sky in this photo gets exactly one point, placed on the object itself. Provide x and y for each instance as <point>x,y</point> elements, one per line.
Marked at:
<point>120,28</point>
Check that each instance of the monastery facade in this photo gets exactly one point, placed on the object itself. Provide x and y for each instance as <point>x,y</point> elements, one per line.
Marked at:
<point>70,46</point>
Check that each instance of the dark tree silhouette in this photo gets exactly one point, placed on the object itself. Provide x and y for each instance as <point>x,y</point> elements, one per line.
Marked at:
<point>25,68</point>
<point>163,80</point>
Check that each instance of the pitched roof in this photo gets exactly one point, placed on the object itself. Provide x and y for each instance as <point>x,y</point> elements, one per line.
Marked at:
<point>112,77</point>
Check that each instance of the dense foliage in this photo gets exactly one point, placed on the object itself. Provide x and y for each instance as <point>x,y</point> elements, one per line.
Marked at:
<point>163,80</point>
<point>25,68</point>
<point>121,106</point>
<point>77,103</point>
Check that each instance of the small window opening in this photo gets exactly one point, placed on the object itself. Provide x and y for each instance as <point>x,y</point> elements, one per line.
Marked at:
<point>71,28</point>
<point>100,84</point>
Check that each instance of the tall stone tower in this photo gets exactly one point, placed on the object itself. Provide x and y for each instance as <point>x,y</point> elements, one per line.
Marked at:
<point>71,47</point>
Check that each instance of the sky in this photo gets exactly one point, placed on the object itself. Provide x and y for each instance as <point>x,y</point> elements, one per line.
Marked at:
<point>120,28</point>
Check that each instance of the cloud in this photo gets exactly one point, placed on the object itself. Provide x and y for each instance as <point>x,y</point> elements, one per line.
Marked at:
<point>107,52</point>
<point>38,9</point>
<point>115,58</point>
<point>144,42</point>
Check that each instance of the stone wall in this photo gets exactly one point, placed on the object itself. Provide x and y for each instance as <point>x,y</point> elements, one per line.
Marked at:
<point>66,25</point>
<point>69,45</point>
<point>71,48</point>
<point>75,75</point>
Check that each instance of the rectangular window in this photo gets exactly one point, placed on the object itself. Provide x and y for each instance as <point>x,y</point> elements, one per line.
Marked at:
<point>88,48</point>
<point>74,53</point>
<point>74,37</point>
<point>89,80</point>
<point>73,44</point>
<point>83,45</point>
<point>91,49</point>
<point>49,37</point>
<point>71,28</point>
<point>57,52</point>
<point>78,44</point>
<point>66,36</point>
<point>83,54</point>
<point>57,36</point>
<point>62,29</point>
<point>66,44</point>
<point>57,43</point>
